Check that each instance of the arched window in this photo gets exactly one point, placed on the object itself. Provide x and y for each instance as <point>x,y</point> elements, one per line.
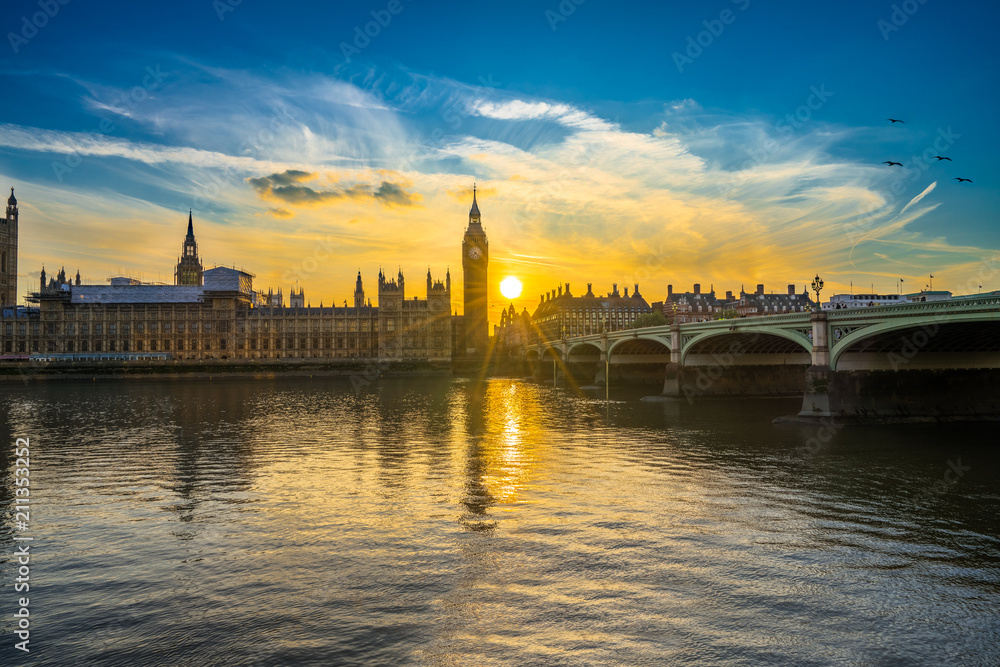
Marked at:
<point>3,262</point>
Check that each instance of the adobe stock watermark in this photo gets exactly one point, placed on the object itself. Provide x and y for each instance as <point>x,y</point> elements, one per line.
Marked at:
<point>785,128</point>
<point>811,447</point>
<point>913,168</point>
<point>563,11</point>
<point>912,344</point>
<point>363,36</point>
<point>452,116</point>
<point>952,474</point>
<point>22,552</point>
<point>223,7</point>
<point>708,375</point>
<point>37,21</point>
<point>655,266</point>
<point>309,265</point>
<point>253,146</point>
<point>375,370</point>
<point>915,342</point>
<point>696,44</point>
<point>127,103</point>
<point>900,14</point>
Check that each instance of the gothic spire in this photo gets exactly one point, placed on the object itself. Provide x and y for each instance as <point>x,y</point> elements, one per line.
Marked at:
<point>474,215</point>
<point>190,225</point>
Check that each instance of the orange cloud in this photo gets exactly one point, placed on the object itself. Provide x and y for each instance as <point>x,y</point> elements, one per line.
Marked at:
<point>287,187</point>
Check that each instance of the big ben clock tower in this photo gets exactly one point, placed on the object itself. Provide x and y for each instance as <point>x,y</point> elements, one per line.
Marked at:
<point>475,258</point>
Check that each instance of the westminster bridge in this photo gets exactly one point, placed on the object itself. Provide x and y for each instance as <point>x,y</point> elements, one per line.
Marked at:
<point>915,360</point>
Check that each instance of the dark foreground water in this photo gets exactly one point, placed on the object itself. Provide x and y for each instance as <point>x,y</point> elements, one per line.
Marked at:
<point>439,522</point>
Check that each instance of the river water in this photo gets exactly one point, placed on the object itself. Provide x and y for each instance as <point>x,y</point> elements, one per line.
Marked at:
<point>447,522</point>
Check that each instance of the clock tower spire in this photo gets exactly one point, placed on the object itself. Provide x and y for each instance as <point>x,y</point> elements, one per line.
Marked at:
<point>8,254</point>
<point>475,260</point>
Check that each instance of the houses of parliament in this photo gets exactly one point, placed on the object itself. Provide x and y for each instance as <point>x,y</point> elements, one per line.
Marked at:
<point>216,314</point>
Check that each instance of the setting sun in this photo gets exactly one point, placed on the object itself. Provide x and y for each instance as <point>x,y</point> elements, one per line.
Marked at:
<point>510,287</point>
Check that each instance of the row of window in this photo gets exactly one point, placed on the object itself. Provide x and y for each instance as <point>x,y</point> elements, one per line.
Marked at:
<point>126,329</point>
<point>167,345</point>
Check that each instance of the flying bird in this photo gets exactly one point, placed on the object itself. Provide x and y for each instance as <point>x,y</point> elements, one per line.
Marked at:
<point>941,157</point>
<point>967,180</point>
<point>898,164</point>
<point>895,120</point>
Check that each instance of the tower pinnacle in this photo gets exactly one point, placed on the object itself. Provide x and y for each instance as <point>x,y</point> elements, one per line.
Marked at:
<point>474,215</point>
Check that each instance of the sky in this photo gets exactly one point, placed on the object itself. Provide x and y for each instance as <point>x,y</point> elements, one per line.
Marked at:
<point>726,143</point>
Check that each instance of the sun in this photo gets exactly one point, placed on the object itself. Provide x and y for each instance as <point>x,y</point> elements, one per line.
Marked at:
<point>510,287</point>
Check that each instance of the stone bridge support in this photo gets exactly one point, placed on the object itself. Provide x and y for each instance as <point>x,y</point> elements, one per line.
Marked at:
<point>601,377</point>
<point>672,381</point>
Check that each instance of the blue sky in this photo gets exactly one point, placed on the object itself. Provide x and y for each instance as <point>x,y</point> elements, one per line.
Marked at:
<point>728,143</point>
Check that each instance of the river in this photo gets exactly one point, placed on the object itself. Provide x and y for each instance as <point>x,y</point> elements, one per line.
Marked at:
<point>440,521</point>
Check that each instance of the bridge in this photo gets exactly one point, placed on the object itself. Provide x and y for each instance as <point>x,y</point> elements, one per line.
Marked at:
<point>934,358</point>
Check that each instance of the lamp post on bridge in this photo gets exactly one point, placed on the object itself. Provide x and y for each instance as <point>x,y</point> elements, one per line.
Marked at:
<point>817,285</point>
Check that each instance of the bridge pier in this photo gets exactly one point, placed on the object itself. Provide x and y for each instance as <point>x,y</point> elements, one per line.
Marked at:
<point>816,396</point>
<point>938,394</point>
<point>603,368</point>
<point>601,376</point>
<point>673,381</point>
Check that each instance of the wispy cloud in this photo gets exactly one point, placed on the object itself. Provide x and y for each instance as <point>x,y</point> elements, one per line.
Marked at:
<point>568,194</point>
<point>916,199</point>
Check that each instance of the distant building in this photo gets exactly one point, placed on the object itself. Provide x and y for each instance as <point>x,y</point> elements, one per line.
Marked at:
<point>759,304</point>
<point>693,306</point>
<point>189,270</point>
<point>217,314</point>
<point>838,301</point>
<point>514,330</point>
<point>560,313</point>
<point>928,295</point>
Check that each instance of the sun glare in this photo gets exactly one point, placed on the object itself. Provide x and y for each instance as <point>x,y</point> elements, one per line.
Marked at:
<point>510,287</point>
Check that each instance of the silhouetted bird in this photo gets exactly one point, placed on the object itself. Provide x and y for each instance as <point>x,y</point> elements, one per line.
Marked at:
<point>941,157</point>
<point>898,164</point>
<point>967,180</point>
<point>895,121</point>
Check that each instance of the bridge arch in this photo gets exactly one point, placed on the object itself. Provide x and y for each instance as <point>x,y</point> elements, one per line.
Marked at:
<point>584,348</point>
<point>549,351</point>
<point>646,351</point>
<point>635,342</point>
<point>896,342</point>
<point>747,340</point>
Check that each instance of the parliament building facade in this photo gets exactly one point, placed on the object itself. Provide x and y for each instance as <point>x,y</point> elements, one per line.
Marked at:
<point>215,314</point>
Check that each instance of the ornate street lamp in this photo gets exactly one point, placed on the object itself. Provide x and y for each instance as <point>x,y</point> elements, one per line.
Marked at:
<point>817,285</point>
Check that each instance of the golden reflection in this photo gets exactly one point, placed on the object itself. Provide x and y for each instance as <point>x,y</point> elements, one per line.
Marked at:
<point>503,457</point>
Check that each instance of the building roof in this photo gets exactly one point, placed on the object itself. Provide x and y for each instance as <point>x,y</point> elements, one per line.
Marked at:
<point>612,301</point>
<point>129,290</point>
<point>12,200</point>
<point>694,298</point>
<point>83,294</point>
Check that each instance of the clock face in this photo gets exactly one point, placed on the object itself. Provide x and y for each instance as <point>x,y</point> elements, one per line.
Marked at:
<point>475,252</point>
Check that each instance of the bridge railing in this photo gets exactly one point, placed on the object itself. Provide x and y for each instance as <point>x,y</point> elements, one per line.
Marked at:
<point>980,304</point>
<point>954,305</point>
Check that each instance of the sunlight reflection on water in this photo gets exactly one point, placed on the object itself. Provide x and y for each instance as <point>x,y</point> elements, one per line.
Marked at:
<point>446,522</point>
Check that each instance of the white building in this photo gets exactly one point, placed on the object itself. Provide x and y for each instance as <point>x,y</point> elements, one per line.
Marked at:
<point>838,301</point>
